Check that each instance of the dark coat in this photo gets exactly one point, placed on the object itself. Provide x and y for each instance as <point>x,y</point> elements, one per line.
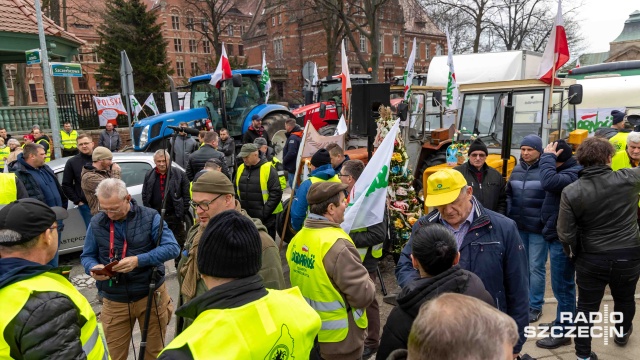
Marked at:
<point>179,194</point>
<point>250,192</point>
<point>455,280</point>
<point>228,148</point>
<point>291,147</point>
<point>20,167</point>
<point>72,177</point>
<point>373,235</point>
<point>492,191</point>
<point>553,181</point>
<point>525,196</point>
<point>493,250</point>
<point>253,134</point>
<point>184,146</point>
<point>339,167</point>
<point>48,325</point>
<point>199,158</point>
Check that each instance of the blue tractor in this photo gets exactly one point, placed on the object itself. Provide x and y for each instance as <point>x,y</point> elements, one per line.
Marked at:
<point>242,98</point>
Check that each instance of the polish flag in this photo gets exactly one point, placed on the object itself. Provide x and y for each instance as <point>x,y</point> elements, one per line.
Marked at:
<point>346,80</point>
<point>223,71</point>
<point>556,53</point>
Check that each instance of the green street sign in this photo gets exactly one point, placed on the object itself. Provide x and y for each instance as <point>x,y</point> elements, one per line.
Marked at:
<point>66,69</point>
<point>33,56</point>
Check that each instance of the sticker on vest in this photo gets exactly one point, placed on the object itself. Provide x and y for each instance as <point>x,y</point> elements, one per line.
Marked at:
<point>283,348</point>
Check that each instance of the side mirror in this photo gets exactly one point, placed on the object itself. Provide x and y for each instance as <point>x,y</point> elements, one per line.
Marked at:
<point>236,80</point>
<point>436,100</point>
<point>575,94</point>
<point>403,111</point>
<point>323,110</point>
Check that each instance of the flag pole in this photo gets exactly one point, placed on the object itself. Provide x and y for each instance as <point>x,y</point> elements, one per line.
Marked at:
<point>553,78</point>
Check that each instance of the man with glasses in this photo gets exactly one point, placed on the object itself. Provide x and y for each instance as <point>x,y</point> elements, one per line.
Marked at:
<point>126,232</point>
<point>102,167</point>
<point>213,193</point>
<point>72,176</point>
<point>489,187</point>
<point>489,245</point>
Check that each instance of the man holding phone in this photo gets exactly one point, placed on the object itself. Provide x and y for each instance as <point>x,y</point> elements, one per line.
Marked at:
<point>102,168</point>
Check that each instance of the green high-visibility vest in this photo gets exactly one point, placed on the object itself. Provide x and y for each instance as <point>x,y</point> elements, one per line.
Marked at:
<point>265,170</point>
<point>15,296</point>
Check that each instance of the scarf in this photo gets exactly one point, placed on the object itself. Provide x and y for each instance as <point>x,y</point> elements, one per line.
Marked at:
<point>189,271</point>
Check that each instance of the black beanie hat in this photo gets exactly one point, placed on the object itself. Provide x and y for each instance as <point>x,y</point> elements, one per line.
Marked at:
<point>230,247</point>
<point>617,116</point>
<point>321,157</point>
<point>567,151</point>
<point>478,145</point>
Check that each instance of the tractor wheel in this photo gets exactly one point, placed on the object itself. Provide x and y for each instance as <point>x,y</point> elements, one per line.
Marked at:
<point>328,130</point>
<point>274,123</point>
<point>277,141</point>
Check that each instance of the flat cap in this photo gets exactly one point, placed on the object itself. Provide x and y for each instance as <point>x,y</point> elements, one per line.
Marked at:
<point>247,149</point>
<point>321,191</point>
<point>213,182</point>
<point>101,153</point>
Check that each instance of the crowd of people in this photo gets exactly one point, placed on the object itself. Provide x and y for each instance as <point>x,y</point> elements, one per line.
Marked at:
<point>477,261</point>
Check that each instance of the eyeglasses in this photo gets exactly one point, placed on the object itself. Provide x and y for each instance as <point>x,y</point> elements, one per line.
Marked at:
<point>203,205</point>
<point>341,175</point>
<point>481,155</point>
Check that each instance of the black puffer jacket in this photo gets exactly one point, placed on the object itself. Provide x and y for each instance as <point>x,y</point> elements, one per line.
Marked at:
<point>250,192</point>
<point>553,181</point>
<point>179,194</point>
<point>525,197</point>
<point>598,212</point>
<point>491,192</point>
<point>48,325</point>
<point>199,158</point>
<point>72,177</point>
<point>455,280</point>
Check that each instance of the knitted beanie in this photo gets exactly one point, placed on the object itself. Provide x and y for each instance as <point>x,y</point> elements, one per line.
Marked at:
<point>567,151</point>
<point>533,141</point>
<point>321,157</point>
<point>617,116</point>
<point>230,247</point>
<point>478,145</point>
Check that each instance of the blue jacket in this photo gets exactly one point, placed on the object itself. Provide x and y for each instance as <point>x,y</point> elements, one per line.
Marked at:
<point>300,206</point>
<point>290,150</point>
<point>553,181</point>
<point>140,229</point>
<point>493,250</point>
<point>41,184</point>
<point>525,197</point>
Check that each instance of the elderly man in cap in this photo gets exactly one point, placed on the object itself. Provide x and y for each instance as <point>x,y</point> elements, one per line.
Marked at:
<point>43,315</point>
<point>237,317</point>
<point>212,194</point>
<point>258,187</point>
<point>489,245</point>
<point>101,168</point>
<point>326,266</point>
<point>255,130</point>
<point>321,171</point>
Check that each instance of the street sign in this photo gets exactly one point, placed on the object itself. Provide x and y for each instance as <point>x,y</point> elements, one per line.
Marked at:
<point>66,69</point>
<point>33,56</point>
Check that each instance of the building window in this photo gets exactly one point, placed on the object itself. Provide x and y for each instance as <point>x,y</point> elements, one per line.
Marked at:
<point>94,55</point>
<point>193,46</point>
<point>177,45</point>
<point>381,45</point>
<point>273,21</point>
<point>396,42</point>
<point>242,30</point>
<point>194,68</point>
<point>363,43</point>
<point>277,48</point>
<point>388,75</point>
<point>83,84</point>
<point>438,49</point>
<point>190,21</point>
<point>175,22</point>
<point>279,18</point>
<point>230,49</point>
<point>206,46</point>
<point>405,50</point>
<point>33,92</point>
<point>9,76</point>
<point>417,50</point>
<point>230,30</point>
<point>180,68</point>
<point>426,51</point>
<point>207,67</point>
<point>240,50</point>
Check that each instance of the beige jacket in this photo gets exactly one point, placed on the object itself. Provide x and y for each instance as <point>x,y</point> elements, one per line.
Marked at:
<point>91,177</point>
<point>348,275</point>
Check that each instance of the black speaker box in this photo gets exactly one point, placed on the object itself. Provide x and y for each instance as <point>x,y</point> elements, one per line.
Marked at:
<point>365,101</point>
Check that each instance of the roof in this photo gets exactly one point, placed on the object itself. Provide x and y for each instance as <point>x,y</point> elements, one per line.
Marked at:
<point>593,58</point>
<point>247,7</point>
<point>19,16</point>
<point>416,19</point>
<point>241,72</point>
<point>631,29</point>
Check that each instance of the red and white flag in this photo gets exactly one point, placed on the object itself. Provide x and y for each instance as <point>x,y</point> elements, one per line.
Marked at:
<point>344,74</point>
<point>223,71</point>
<point>556,53</point>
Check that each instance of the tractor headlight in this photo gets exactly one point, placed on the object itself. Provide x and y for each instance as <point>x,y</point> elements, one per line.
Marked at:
<point>144,136</point>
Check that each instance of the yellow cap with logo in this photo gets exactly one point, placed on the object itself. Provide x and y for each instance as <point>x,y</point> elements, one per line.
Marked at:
<point>443,187</point>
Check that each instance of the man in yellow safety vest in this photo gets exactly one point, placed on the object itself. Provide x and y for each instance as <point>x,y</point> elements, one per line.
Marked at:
<point>43,316</point>
<point>238,318</point>
<point>42,139</point>
<point>68,137</point>
<point>325,264</point>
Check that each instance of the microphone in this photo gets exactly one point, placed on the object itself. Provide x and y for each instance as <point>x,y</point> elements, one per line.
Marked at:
<point>187,130</point>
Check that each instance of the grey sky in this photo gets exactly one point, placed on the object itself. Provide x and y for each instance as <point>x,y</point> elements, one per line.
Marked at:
<point>602,21</point>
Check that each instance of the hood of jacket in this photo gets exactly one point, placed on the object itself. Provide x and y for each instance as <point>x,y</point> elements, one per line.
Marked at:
<point>324,172</point>
<point>16,269</point>
<point>21,161</point>
<point>526,166</point>
<point>91,168</point>
<point>297,130</point>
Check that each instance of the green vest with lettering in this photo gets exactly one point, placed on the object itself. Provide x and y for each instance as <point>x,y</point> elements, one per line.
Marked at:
<point>15,296</point>
<point>305,256</point>
<point>8,190</point>
<point>280,325</point>
<point>4,153</point>
<point>69,140</point>
<point>265,170</point>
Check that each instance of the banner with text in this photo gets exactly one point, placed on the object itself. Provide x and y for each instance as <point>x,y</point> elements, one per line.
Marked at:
<point>109,107</point>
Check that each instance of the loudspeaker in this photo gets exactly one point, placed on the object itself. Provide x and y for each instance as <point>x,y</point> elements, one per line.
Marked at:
<point>365,101</point>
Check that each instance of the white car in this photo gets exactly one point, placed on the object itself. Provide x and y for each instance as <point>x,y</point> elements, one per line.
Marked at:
<point>134,167</point>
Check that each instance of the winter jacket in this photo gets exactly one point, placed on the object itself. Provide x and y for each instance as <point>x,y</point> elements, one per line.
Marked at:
<point>48,326</point>
<point>140,229</point>
<point>339,167</point>
<point>26,172</point>
<point>72,177</point>
<point>493,250</point>
<point>491,191</point>
<point>184,146</point>
<point>291,147</point>
<point>179,194</point>
<point>250,193</point>
<point>299,207</point>
<point>525,196</point>
<point>455,280</point>
<point>598,212</point>
<point>110,140</point>
<point>228,148</point>
<point>199,158</point>
<point>553,181</point>
<point>91,177</point>
<point>253,134</point>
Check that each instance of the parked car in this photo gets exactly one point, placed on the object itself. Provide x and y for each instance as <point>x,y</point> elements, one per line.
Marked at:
<point>134,167</point>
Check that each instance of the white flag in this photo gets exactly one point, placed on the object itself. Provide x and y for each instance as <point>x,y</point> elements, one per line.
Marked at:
<point>135,105</point>
<point>314,80</point>
<point>409,72</point>
<point>369,195</point>
<point>266,78</point>
<point>342,126</point>
<point>151,103</point>
<point>451,99</point>
<point>346,79</point>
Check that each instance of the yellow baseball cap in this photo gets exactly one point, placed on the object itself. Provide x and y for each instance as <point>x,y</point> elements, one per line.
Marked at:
<point>443,187</point>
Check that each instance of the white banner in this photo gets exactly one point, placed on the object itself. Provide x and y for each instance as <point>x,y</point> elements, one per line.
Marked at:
<point>314,141</point>
<point>109,107</point>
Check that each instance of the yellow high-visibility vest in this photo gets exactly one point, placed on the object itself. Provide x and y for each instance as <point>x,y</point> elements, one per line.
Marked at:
<point>283,179</point>
<point>69,140</point>
<point>8,190</point>
<point>376,250</point>
<point>265,170</point>
<point>4,152</point>
<point>48,154</point>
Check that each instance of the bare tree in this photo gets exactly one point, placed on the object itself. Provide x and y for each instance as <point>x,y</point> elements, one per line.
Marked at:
<point>213,21</point>
<point>457,23</point>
